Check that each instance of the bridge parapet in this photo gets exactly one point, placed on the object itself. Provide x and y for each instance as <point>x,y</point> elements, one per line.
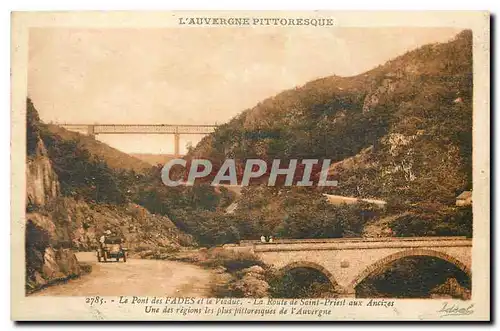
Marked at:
<point>356,243</point>
<point>328,240</point>
<point>271,247</point>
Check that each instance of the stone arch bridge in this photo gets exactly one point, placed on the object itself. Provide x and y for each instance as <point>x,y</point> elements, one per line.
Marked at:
<point>346,262</point>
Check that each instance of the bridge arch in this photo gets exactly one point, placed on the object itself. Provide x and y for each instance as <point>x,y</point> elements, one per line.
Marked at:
<point>310,265</point>
<point>386,261</point>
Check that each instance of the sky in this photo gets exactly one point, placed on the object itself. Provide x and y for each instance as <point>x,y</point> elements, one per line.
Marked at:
<point>193,75</point>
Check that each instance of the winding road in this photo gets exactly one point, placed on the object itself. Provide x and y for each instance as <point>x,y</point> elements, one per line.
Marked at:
<point>135,277</point>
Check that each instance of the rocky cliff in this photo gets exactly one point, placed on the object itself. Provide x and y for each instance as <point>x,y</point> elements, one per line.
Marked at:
<point>42,184</point>
<point>48,258</point>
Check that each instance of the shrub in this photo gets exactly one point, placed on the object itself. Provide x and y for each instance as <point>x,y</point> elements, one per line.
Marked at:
<point>233,261</point>
<point>32,128</point>
<point>452,222</point>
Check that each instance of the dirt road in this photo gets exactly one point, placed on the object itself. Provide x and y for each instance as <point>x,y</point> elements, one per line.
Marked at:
<point>136,277</point>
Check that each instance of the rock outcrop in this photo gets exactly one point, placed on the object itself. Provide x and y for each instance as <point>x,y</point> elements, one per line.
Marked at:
<point>42,184</point>
<point>451,288</point>
<point>83,224</point>
<point>250,283</point>
<point>49,257</point>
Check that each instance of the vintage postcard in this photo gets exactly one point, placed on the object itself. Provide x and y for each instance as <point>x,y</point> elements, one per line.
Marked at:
<point>260,166</point>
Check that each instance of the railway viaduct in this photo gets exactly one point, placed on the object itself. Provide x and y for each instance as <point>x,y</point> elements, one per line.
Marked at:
<point>174,129</point>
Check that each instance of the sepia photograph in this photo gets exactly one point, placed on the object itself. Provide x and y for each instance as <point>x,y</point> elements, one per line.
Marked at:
<point>253,165</point>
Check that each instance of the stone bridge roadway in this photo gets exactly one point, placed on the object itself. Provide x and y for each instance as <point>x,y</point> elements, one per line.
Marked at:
<point>346,262</point>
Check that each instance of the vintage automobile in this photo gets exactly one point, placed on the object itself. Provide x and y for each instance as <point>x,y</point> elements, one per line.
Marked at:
<point>112,249</point>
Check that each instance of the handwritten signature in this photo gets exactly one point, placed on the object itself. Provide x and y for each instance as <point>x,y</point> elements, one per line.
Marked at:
<point>454,309</point>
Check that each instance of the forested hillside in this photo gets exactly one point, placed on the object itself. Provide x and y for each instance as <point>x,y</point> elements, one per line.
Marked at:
<point>400,132</point>
<point>114,158</point>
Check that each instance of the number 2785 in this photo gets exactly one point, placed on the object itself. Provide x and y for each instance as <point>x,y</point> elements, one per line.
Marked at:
<point>97,300</point>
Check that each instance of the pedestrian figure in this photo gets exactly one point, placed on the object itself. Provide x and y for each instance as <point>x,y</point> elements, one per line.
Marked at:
<point>270,239</point>
<point>262,239</point>
<point>102,240</point>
